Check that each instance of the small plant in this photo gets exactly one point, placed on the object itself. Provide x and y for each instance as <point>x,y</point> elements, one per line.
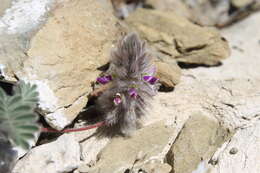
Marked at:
<point>17,122</point>
<point>130,84</point>
<point>17,117</point>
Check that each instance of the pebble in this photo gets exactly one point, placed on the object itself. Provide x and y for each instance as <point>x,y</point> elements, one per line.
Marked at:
<point>233,150</point>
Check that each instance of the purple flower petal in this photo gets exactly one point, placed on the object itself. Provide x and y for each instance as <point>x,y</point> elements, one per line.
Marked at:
<point>133,93</point>
<point>117,100</point>
<point>104,79</point>
<point>151,79</point>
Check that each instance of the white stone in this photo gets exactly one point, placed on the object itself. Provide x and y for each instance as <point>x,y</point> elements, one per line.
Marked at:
<point>57,119</point>
<point>246,160</point>
<point>47,99</point>
<point>25,16</point>
<point>2,67</point>
<point>62,155</point>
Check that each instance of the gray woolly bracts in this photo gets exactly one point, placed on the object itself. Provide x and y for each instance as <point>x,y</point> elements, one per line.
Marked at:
<point>132,85</point>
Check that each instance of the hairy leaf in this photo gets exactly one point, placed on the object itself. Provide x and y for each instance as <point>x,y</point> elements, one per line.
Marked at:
<point>17,117</point>
<point>27,92</point>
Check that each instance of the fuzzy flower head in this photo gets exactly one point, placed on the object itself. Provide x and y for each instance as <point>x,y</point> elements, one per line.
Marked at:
<point>133,81</point>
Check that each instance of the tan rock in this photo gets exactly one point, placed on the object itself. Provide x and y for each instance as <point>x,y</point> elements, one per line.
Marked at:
<point>241,3</point>
<point>198,140</point>
<point>169,74</point>
<point>209,12</point>
<point>124,153</point>
<point>62,155</point>
<point>11,55</point>
<point>218,13</point>
<point>246,145</point>
<point>229,93</point>
<point>174,37</point>
<point>25,17</point>
<point>5,4</point>
<point>64,56</point>
<point>175,6</point>
<point>256,6</point>
<point>155,167</point>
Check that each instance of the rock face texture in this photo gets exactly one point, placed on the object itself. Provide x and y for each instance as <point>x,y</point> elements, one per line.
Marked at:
<point>122,154</point>
<point>176,6</point>
<point>25,17</point>
<point>68,58</point>
<point>4,5</point>
<point>208,12</point>
<point>12,54</point>
<point>62,155</point>
<point>199,139</point>
<point>210,101</point>
<point>241,154</point>
<point>241,3</point>
<point>64,56</point>
<point>179,39</point>
<point>169,74</point>
<point>209,123</point>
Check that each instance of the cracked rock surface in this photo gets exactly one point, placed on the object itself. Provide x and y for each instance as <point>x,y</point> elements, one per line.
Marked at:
<point>199,139</point>
<point>5,4</point>
<point>208,12</point>
<point>63,56</point>
<point>66,53</point>
<point>179,39</point>
<point>62,155</point>
<point>208,124</point>
<point>214,112</point>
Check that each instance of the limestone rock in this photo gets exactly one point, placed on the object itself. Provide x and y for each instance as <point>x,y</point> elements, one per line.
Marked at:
<point>64,56</point>
<point>169,75</point>
<point>5,4</point>
<point>228,94</point>
<point>218,13</point>
<point>203,12</point>
<point>197,141</point>
<point>25,17</point>
<point>241,3</point>
<point>246,159</point>
<point>209,12</point>
<point>154,167</point>
<point>256,6</point>
<point>91,147</point>
<point>124,153</point>
<point>178,38</point>
<point>175,6</point>
<point>246,139</point>
<point>149,167</point>
<point>12,55</point>
<point>62,155</point>
<point>17,25</point>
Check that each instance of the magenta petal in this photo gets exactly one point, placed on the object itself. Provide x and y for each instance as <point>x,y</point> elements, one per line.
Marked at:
<point>152,80</point>
<point>117,100</point>
<point>104,80</point>
<point>132,92</point>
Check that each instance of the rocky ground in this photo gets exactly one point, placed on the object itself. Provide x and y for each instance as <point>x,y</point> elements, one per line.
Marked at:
<point>219,13</point>
<point>208,121</point>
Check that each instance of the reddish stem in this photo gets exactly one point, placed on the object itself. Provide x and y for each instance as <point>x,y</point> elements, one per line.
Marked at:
<point>47,130</point>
